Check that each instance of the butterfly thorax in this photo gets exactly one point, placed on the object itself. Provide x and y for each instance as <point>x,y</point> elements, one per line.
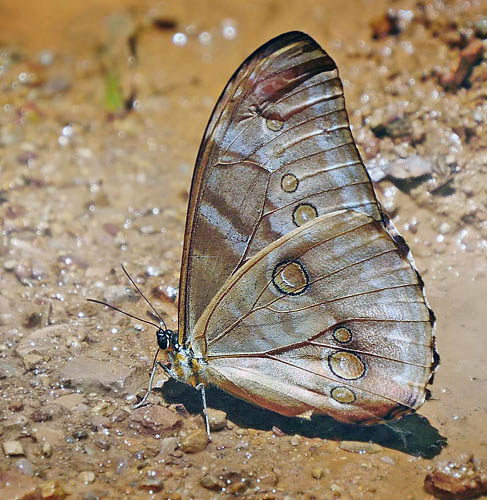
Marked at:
<point>185,366</point>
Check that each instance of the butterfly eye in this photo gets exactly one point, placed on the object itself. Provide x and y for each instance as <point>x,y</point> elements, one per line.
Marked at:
<point>162,339</point>
<point>175,341</point>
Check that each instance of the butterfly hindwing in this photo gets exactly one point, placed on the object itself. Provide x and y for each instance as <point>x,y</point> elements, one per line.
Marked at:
<point>330,317</point>
<point>277,152</point>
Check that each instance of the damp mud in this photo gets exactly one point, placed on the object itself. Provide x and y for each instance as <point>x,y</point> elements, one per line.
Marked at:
<point>102,108</point>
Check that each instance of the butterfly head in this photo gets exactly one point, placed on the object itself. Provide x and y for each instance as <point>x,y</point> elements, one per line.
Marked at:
<point>167,340</point>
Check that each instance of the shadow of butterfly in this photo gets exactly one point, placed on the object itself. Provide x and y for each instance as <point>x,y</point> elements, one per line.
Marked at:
<point>297,294</point>
<point>412,434</point>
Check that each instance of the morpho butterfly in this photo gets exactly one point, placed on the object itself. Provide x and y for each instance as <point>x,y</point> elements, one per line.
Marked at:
<point>296,293</point>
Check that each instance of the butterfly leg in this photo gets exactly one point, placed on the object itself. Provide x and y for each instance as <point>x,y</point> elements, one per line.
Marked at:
<point>201,387</point>
<point>151,380</point>
<point>155,363</point>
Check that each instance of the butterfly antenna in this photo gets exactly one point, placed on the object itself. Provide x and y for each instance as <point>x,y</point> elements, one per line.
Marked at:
<point>124,312</point>
<point>145,298</point>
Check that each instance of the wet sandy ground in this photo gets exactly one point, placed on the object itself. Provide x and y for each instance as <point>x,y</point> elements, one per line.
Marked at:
<point>86,185</point>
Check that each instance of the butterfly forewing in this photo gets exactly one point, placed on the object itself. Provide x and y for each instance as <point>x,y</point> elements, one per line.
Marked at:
<point>330,318</point>
<point>277,152</point>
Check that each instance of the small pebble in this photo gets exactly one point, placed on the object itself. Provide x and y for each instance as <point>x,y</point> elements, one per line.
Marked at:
<point>31,361</point>
<point>24,466</point>
<point>80,434</point>
<point>13,448</point>
<point>359,447</point>
<point>47,449</point>
<point>52,490</point>
<point>445,228</point>
<point>168,445</point>
<point>16,423</point>
<point>119,415</point>
<point>103,444</point>
<point>317,472</point>
<point>278,432</point>
<point>32,320</point>
<point>90,496</point>
<point>16,406</point>
<point>164,293</point>
<point>217,419</point>
<point>72,342</point>
<point>462,478</point>
<point>9,265</point>
<point>23,273</point>
<point>40,416</point>
<point>294,441</point>
<point>407,168</point>
<point>195,441</point>
<point>152,485</point>
<point>103,409</point>
<point>337,490</point>
<point>468,57</point>
<point>210,482</point>
<point>86,477</point>
<point>155,420</point>
<point>481,27</point>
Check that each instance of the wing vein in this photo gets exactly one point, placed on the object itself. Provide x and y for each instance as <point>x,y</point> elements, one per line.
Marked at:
<point>342,382</point>
<point>337,188</point>
<point>259,295</point>
<point>336,299</point>
<point>241,318</point>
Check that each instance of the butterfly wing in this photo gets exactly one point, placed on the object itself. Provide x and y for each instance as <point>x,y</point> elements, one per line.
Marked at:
<point>331,317</point>
<point>277,152</point>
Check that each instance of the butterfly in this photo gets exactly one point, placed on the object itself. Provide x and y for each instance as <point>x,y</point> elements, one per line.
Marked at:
<point>296,292</point>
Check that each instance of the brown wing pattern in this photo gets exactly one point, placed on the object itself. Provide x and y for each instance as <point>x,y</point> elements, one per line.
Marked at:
<point>277,152</point>
<point>331,318</point>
